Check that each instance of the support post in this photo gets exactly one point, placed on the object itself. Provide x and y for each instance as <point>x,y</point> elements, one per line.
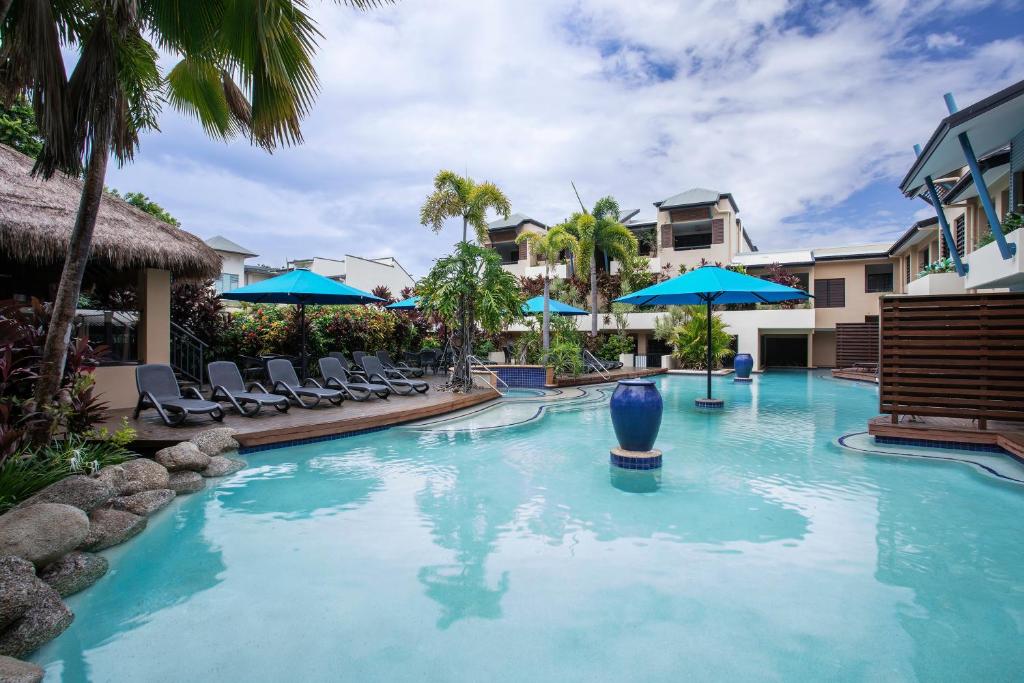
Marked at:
<point>709,347</point>
<point>302,337</point>
<point>961,269</point>
<point>1006,249</point>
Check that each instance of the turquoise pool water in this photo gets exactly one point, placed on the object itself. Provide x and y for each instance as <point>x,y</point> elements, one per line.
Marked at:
<point>461,550</point>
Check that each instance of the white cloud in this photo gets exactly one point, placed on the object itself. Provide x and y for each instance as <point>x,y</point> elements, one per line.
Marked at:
<point>943,41</point>
<point>640,100</point>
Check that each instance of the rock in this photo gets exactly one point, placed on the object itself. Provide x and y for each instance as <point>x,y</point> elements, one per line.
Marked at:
<point>144,503</point>
<point>17,584</point>
<point>221,466</point>
<point>42,533</point>
<point>74,572</point>
<point>109,527</point>
<point>41,623</point>
<point>183,456</point>
<point>78,490</point>
<point>186,482</point>
<point>216,441</point>
<point>134,476</point>
<point>16,671</point>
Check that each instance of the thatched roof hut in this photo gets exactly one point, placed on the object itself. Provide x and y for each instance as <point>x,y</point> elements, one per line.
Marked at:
<point>36,219</point>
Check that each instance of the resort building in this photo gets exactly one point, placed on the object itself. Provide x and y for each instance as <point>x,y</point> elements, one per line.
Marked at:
<point>233,268</point>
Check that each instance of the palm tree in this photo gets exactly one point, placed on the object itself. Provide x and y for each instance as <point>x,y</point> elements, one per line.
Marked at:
<point>456,196</point>
<point>550,245</point>
<point>601,229</point>
<point>243,69</point>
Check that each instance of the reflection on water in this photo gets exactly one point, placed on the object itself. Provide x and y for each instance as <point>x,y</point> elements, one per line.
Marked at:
<point>759,550</point>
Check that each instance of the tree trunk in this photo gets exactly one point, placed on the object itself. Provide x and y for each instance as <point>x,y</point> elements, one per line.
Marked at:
<point>462,377</point>
<point>58,333</point>
<point>546,321</point>
<point>593,295</point>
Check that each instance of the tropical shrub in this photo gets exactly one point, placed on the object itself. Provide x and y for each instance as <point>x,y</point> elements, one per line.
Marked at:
<point>614,346</point>
<point>531,286</point>
<point>29,470</point>
<point>685,330</point>
<point>565,357</point>
<point>77,409</point>
<point>384,292</point>
<point>1013,221</point>
<point>942,265</point>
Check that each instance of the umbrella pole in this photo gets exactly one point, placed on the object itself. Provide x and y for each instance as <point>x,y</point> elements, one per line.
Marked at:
<point>709,347</point>
<point>302,336</point>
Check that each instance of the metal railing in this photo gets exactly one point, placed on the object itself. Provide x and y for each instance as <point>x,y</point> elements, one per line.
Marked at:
<point>188,354</point>
<point>475,362</point>
<point>598,365</point>
<point>647,360</point>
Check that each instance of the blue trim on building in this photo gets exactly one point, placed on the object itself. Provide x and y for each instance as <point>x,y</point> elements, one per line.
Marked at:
<point>522,377</point>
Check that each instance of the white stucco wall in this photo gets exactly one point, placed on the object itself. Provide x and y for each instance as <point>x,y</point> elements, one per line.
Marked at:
<point>365,275</point>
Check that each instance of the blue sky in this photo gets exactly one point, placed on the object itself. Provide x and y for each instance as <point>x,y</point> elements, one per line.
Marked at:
<point>806,112</point>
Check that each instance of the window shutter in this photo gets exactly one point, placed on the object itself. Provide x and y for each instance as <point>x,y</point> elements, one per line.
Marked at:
<point>830,293</point>
<point>959,235</point>
<point>717,231</point>
<point>906,267</point>
<point>523,255</point>
<point>666,236</point>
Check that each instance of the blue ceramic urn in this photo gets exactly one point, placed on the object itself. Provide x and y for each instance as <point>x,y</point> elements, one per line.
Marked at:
<point>743,364</point>
<point>636,414</point>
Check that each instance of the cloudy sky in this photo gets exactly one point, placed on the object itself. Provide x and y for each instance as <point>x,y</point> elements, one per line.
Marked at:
<point>806,112</point>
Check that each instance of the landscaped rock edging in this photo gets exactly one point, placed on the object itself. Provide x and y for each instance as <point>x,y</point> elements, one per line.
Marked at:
<point>48,542</point>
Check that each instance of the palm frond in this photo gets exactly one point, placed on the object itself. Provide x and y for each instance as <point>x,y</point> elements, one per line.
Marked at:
<point>196,87</point>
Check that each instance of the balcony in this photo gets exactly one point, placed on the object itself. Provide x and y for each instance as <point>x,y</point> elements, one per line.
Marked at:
<point>936,284</point>
<point>988,269</point>
<point>558,272</point>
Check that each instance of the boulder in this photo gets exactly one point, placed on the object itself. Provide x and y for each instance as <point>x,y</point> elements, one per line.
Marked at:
<point>186,482</point>
<point>221,466</point>
<point>134,476</point>
<point>42,533</point>
<point>109,527</point>
<point>78,490</point>
<point>183,456</point>
<point>74,572</point>
<point>16,671</point>
<point>42,622</point>
<point>17,584</point>
<point>216,441</point>
<point>144,503</point>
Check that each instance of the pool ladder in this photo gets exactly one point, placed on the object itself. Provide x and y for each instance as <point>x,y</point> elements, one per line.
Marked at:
<point>475,362</point>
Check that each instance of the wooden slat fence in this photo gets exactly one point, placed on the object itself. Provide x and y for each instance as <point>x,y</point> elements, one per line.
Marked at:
<point>856,343</point>
<point>953,356</point>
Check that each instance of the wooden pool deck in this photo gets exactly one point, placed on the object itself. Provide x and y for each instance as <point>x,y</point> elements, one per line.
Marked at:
<point>272,427</point>
<point>1007,435</point>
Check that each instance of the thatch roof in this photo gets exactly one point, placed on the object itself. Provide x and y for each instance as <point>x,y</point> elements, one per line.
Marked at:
<point>36,219</point>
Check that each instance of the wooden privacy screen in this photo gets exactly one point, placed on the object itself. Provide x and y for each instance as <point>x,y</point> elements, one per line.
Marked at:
<point>953,356</point>
<point>856,343</point>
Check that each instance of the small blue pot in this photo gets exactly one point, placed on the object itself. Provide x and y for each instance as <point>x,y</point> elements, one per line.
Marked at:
<point>743,364</point>
<point>636,414</point>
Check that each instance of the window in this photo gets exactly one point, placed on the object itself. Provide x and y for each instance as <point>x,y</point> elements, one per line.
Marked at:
<point>225,283</point>
<point>906,270</point>
<point>830,293</point>
<point>926,258</point>
<point>959,233</point>
<point>878,277</point>
<point>691,240</point>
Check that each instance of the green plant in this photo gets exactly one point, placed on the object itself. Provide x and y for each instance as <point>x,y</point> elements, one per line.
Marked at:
<point>484,347</point>
<point>468,289</point>
<point>1012,221</point>
<point>144,203</point>
<point>685,330</point>
<point>550,245</point>
<point>30,470</point>
<point>614,346</point>
<point>942,265</point>
<point>18,128</point>
<point>565,357</point>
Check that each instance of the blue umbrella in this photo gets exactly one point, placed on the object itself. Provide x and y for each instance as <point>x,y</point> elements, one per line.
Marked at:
<point>712,285</point>
<point>300,287</point>
<point>535,306</point>
<point>406,305</point>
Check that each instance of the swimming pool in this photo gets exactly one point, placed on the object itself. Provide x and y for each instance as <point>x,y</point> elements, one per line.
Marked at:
<point>463,550</point>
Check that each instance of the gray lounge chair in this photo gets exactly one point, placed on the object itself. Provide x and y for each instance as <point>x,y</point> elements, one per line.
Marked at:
<point>227,383</point>
<point>400,385</point>
<point>404,368</point>
<point>355,372</point>
<point>158,389</point>
<point>286,382</point>
<point>336,377</point>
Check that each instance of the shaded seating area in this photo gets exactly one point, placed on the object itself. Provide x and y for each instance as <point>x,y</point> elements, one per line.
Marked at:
<point>393,379</point>
<point>159,390</point>
<point>405,369</point>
